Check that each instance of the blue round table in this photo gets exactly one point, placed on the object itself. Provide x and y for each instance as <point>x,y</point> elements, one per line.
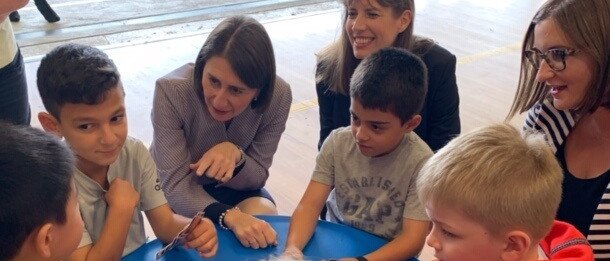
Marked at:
<point>330,241</point>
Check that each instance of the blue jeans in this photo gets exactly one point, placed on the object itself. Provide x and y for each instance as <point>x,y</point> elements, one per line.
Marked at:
<point>14,104</point>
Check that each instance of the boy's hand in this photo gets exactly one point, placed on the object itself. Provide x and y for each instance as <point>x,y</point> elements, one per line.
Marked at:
<point>122,195</point>
<point>218,162</point>
<point>204,238</point>
<point>292,253</point>
<point>250,231</point>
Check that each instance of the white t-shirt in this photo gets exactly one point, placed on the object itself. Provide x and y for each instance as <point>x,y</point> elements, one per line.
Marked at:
<point>135,165</point>
<point>8,45</point>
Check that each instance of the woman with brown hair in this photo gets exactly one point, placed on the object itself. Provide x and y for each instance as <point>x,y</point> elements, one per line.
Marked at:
<point>217,124</point>
<point>564,83</point>
<point>368,26</point>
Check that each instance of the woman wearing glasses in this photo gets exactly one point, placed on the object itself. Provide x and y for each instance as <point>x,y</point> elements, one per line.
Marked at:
<point>564,83</point>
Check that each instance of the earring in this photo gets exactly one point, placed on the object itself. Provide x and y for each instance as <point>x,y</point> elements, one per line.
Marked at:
<point>255,98</point>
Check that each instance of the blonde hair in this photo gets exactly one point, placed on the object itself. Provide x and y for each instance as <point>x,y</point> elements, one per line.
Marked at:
<point>336,62</point>
<point>497,178</point>
<point>586,24</point>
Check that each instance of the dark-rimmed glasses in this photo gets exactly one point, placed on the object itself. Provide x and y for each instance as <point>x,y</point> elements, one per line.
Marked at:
<point>555,58</point>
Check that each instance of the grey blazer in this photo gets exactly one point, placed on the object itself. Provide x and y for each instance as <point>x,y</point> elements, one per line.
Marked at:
<point>184,130</point>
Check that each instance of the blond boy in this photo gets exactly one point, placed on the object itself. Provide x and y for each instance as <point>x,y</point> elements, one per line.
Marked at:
<point>492,195</point>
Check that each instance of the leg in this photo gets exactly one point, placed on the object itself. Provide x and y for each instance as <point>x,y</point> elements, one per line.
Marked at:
<point>257,206</point>
<point>14,104</point>
<point>253,202</point>
<point>14,16</point>
<point>46,11</point>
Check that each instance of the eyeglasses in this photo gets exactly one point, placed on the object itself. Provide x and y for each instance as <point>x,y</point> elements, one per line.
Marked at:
<point>555,58</point>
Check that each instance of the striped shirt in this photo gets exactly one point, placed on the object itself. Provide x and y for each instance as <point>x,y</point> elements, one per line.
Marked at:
<point>556,125</point>
<point>184,130</point>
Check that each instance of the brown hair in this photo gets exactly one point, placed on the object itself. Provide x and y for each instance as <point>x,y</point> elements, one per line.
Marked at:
<point>336,62</point>
<point>586,24</point>
<point>379,83</point>
<point>75,73</point>
<point>247,47</point>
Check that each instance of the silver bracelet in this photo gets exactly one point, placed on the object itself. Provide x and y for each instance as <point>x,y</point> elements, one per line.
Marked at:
<point>222,217</point>
<point>242,158</point>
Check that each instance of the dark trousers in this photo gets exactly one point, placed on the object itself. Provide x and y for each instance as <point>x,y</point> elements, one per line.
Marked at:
<point>233,197</point>
<point>14,104</point>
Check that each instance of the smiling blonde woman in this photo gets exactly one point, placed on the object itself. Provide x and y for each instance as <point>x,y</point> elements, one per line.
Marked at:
<point>368,26</point>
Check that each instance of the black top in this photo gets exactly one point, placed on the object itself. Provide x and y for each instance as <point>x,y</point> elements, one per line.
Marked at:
<point>580,196</point>
<point>440,114</point>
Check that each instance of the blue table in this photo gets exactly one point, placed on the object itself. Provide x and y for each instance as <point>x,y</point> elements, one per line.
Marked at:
<point>330,240</point>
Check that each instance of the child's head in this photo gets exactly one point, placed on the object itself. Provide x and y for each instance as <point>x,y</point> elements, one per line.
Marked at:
<point>83,95</point>
<point>491,194</point>
<point>387,90</point>
<point>40,217</point>
<point>77,74</point>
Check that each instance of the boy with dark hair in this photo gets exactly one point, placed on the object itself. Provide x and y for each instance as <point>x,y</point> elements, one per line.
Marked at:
<point>369,170</point>
<point>40,219</point>
<point>115,174</point>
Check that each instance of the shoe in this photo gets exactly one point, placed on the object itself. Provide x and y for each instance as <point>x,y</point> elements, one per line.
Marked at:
<point>46,11</point>
<point>14,16</point>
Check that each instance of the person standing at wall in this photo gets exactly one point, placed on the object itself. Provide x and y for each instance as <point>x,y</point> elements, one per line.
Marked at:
<point>14,104</point>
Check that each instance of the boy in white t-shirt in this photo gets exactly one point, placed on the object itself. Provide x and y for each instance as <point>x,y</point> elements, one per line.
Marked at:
<point>115,174</point>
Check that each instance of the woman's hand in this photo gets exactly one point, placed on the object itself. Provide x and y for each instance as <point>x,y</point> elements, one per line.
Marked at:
<point>250,231</point>
<point>218,162</point>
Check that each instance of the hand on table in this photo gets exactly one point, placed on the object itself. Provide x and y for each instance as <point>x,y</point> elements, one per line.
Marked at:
<point>250,231</point>
<point>204,238</point>
<point>122,195</point>
<point>218,162</point>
